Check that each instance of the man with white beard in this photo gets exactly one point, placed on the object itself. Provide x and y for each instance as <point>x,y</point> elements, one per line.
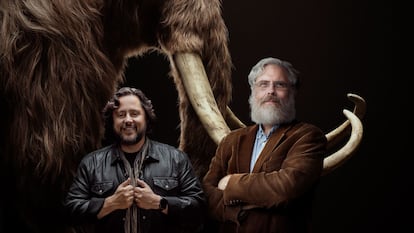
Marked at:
<point>262,177</point>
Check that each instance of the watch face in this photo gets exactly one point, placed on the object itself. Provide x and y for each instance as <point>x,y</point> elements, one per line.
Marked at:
<point>163,203</point>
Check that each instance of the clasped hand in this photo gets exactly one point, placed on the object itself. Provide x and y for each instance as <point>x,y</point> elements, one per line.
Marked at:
<point>142,195</point>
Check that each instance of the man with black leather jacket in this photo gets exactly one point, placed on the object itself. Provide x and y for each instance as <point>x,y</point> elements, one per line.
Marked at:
<point>135,185</point>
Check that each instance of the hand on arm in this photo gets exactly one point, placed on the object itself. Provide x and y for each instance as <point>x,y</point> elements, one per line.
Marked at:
<point>223,182</point>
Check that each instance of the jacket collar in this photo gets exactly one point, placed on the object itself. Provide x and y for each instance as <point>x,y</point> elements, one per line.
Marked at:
<point>116,153</point>
<point>246,143</point>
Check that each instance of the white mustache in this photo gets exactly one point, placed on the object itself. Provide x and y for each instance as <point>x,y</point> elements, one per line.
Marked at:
<point>271,98</point>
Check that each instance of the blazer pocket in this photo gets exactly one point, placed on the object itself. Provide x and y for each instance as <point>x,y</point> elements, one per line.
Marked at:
<point>101,188</point>
<point>165,184</point>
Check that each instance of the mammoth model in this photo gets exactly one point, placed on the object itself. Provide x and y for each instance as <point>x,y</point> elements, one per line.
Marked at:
<point>61,60</point>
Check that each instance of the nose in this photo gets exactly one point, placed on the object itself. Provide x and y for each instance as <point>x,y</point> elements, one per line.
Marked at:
<point>271,89</point>
<point>128,118</point>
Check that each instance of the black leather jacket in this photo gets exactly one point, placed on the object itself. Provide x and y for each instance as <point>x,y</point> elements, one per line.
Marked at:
<point>166,169</point>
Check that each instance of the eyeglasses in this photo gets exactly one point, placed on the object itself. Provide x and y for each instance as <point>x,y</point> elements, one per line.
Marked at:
<point>263,85</point>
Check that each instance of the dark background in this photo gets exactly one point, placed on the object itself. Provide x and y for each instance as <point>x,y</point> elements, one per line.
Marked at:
<point>339,47</point>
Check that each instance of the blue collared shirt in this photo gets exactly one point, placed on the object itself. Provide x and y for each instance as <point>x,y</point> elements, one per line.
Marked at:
<point>259,143</point>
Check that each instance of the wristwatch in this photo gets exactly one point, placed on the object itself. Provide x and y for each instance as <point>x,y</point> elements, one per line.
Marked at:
<point>163,203</point>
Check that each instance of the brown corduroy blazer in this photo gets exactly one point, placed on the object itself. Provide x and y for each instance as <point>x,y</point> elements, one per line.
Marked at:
<point>277,195</point>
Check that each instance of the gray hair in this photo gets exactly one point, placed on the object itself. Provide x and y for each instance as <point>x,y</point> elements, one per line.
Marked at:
<point>257,70</point>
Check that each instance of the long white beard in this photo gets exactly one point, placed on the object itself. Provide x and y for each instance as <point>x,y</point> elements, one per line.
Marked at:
<point>272,115</point>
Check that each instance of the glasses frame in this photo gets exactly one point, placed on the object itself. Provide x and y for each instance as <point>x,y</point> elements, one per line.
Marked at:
<point>277,85</point>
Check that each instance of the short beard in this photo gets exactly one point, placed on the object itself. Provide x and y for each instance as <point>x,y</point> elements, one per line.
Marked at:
<point>128,142</point>
<point>271,115</point>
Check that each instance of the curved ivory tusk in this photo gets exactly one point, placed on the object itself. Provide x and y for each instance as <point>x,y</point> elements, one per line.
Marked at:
<point>200,94</point>
<point>233,120</point>
<point>339,157</point>
<point>338,134</point>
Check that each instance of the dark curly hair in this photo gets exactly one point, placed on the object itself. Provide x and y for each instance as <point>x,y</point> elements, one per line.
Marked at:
<point>113,104</point>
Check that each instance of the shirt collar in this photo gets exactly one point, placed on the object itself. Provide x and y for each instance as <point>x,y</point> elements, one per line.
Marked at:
<point>260,132</point>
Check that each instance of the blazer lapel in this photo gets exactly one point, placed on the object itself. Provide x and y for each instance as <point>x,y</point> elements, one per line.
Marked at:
<point>275,139</point>
<point>244,153</point>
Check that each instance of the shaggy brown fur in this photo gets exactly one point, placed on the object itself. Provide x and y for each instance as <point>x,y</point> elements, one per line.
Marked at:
<point>60,62</point>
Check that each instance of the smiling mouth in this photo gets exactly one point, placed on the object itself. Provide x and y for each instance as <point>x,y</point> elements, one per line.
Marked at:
<point>129,130</point>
